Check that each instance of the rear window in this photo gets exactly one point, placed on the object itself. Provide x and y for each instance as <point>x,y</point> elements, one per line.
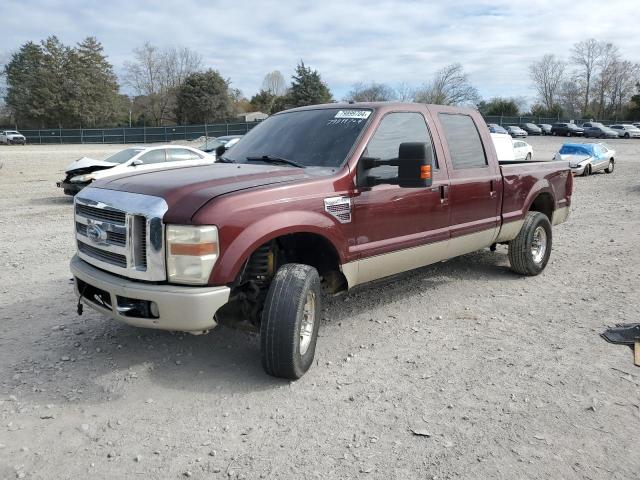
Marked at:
<point>464,142</point>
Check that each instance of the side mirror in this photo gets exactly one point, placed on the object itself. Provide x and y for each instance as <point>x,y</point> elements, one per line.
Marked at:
<point>414,162</point>
<point>137,162</point>
<point>220,150</point>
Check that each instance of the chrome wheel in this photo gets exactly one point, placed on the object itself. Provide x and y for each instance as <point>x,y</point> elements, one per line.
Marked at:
<point>307,323</point>
<point>539,244</point>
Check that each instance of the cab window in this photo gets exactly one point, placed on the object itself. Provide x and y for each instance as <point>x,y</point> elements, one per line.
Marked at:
<point>394,129</point>
<point>463,139</point>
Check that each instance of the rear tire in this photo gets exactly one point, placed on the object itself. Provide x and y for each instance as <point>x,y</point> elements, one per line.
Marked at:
<point>290,321</point>
<point>610,168</point>
<point>529,252</point>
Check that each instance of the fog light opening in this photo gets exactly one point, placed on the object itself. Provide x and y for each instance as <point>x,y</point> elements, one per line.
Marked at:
<point>153,308</point>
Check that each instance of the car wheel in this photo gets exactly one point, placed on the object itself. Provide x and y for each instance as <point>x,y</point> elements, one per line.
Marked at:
<point>626,135</point>
<point>529,252</point>
<point>528,157</point>
<point>587,171</point>
<point>290,321</point>
<point>611,166</point>
<point>568,134</point>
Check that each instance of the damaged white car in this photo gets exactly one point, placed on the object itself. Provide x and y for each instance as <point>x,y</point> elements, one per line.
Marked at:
<point>85,170</point>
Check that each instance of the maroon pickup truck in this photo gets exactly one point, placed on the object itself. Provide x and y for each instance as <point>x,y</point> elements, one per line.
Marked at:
<point>313,201</point>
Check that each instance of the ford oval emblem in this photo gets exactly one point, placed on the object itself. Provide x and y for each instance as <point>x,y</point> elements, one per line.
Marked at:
<point>96,234</point>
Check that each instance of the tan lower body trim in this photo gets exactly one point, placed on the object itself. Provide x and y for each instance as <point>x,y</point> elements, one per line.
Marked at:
<point>560,215</point>
<point>509,231</point>
<point>379,266</point>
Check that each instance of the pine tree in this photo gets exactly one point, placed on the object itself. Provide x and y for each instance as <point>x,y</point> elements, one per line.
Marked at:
<point>204,98</point>
<point>308,88</point>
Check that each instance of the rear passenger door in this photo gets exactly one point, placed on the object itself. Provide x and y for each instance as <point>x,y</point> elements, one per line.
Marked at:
<point>475,194</point>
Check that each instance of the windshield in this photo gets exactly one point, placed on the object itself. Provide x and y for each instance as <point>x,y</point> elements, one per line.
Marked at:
<point>12,132</point>
<point>574,150</point>
<point>124,155</point>
<point>310,138</point>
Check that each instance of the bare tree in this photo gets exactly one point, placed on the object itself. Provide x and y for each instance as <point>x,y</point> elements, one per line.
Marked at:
<point>570,97</point>
<point>450,86</point>
<point>608,59</point>
<point>156,74</point>
<point>274,83</point>
<point>586,55</point>
<point>374,92</point>
<point>404,92</point>
<point>624,77</point>
<point>547,75</point>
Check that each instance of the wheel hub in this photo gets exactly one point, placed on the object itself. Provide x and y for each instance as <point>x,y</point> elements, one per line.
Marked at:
<point>539,244</point>
<point>307,323</point>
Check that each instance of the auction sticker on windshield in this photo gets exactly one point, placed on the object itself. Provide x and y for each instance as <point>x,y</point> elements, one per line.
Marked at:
<point>360,114</point>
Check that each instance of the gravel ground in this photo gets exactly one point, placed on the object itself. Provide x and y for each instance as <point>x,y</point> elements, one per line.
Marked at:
<point>504,377</point>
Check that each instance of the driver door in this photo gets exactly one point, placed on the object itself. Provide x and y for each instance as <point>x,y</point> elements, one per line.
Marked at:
<point>400,228</point>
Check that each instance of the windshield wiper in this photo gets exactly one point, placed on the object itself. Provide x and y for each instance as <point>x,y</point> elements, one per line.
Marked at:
<point>274,159</point>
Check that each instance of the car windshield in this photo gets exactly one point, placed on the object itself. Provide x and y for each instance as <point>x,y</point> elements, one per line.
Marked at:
<point>309,138</point>
<point>574,150</point>
<point>124,155</point>
<point>12,132</point>
<point>572,126</point>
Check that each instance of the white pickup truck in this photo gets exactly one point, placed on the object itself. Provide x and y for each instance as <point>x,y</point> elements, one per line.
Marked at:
<point>12,137</point>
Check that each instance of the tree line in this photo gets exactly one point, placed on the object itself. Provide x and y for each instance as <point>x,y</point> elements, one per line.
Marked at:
<point>52,85</point>
<point>595,81</point>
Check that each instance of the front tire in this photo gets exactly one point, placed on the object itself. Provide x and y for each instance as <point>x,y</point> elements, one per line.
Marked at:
<point>528,157</point>
<point>529,252</point>
<point>568,134</point>
<point>290,321</point>
<point>610,168</point>
<point>587,171</point>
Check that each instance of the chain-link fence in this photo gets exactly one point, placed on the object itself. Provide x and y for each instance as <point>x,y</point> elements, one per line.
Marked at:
<point>135,134</point>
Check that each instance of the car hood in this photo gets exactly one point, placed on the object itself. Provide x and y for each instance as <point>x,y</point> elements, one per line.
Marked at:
<point>87,165</point>
<point>187,189</point>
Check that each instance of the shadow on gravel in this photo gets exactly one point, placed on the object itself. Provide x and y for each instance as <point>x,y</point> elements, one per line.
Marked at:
<point>61,200</point>
<point>92,359</point>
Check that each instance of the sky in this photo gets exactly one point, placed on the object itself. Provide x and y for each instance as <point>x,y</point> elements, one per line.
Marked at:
<point>347,41</point>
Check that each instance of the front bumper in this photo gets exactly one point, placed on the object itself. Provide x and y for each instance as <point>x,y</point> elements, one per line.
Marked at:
<point>16,141</point>
<point>180,308</point>
<point>71,188</point>
<point>577,171</point>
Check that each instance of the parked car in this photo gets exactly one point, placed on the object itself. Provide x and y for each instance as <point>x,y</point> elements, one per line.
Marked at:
<point>531,128</point>
<point>597,130</point>
<point>587,158</point>
<point>516,131</point>
<point>84,171</point>
<point>637,125</point>
<point>354,194</point>
<point>12,137</point>
<point>626,130</point>
<point>545,127</point>
<point>213,143</point>
<point>495,128</point>
<point>522,150</point>
<point>566,129</point>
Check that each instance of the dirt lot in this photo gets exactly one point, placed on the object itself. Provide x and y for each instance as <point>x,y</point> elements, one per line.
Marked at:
<point>507,375</point>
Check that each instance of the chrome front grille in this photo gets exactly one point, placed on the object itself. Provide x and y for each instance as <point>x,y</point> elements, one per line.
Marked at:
<point>103,255</point>
<point>101,214</point>
<point>121,232</point>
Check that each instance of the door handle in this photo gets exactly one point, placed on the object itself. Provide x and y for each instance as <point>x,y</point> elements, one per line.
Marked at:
<point>444,193</point>
<point>492,188</point>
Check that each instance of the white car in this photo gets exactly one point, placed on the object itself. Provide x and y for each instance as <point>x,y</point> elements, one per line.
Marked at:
<point>85,170</point>
<point>522,150</point>
<point>626,130</point>
<point>510,150</point>
<point>12,137</point>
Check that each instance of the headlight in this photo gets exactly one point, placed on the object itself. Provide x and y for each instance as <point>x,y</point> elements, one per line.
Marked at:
<point>83,178</point>
<point>192,252</point>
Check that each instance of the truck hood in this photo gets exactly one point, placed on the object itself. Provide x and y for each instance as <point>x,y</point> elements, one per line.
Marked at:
<point>87,165</point>
<point>187,189</point>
